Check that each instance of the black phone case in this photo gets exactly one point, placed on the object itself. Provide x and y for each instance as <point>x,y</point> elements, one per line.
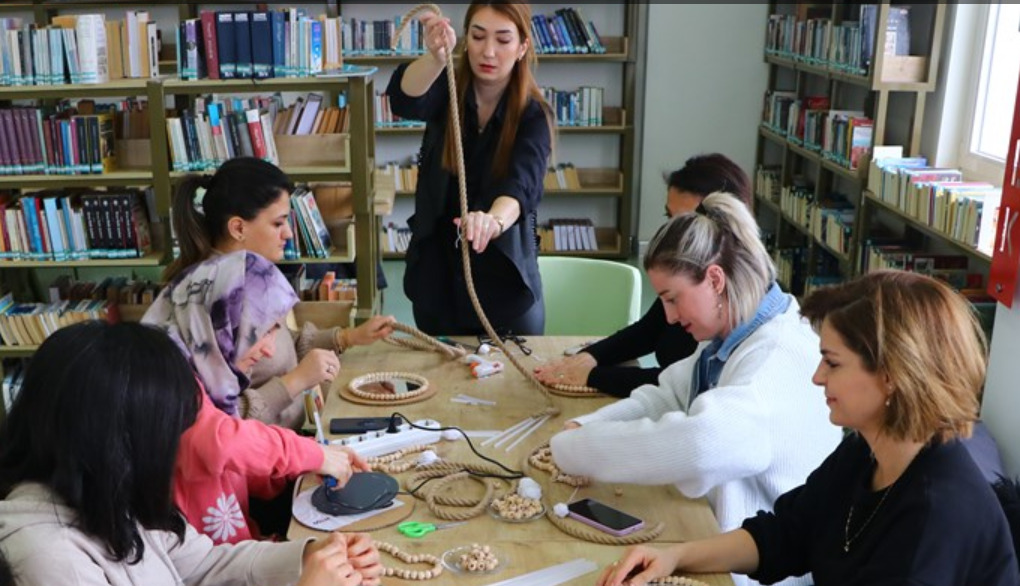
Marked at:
<point>357,424</point>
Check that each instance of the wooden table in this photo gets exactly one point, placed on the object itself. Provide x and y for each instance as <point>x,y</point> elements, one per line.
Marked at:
<point>528,546</point>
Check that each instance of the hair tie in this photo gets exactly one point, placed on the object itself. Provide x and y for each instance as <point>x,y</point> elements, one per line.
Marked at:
<point>700,210</point>
<point>199,197</point>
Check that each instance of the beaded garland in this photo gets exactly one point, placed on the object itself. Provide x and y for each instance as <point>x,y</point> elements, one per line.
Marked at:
<point>389,463</point>
<point>676,581</point>
<point>541,459</point>
<point>407,558</point>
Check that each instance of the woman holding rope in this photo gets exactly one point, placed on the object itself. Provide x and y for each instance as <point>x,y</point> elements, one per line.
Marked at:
<point>507,137</point>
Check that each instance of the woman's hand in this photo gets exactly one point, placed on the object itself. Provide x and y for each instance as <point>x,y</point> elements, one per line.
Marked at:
<point>341,463</point>
<point>480,229</point>
<point>325,563</point>
<point>572,370</point>
<point>645,563</point>
<point>316,367</point>
<point>364,556</point>
<point>440,38</point>
<point>376,328</point>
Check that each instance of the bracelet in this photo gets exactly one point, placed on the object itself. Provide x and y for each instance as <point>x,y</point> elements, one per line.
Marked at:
<point>340,342</point>
<point>499,221</point>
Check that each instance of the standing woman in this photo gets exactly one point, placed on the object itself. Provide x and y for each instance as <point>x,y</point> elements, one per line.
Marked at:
<point>599,365</point>
<point>245,205</point>
<point>507,134</point>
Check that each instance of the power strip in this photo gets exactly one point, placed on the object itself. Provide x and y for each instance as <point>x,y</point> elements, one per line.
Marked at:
<point>380,443</point>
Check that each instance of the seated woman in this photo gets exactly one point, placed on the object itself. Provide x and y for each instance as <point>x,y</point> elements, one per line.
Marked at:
<point>900,501</point>
<point>223,314</point>
<point>598,366</point>
<point>86,463</point>
<point>245,206</point>
<point>737,421</point>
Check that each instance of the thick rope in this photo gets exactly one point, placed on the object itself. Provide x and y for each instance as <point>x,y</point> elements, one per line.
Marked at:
<point>419,340</point>
<point>551,408</point>
<point>447,473</point>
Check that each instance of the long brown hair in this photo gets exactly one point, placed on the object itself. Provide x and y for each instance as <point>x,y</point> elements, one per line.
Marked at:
<point>520,90</point>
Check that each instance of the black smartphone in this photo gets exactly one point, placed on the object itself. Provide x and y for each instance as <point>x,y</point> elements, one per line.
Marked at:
<point>342,425</point>
<point>604,517</point>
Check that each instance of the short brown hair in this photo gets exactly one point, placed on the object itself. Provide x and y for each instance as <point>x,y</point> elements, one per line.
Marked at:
<point>919,333</point>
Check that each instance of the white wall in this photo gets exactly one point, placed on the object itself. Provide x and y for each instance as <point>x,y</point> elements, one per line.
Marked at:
<point>1001,406</point>
<point>703,92</point>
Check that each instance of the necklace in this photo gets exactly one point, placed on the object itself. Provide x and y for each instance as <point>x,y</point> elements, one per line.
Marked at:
<point>847,539</point>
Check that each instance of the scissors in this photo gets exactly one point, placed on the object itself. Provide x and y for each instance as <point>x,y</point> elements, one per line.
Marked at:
<point>416,529</point>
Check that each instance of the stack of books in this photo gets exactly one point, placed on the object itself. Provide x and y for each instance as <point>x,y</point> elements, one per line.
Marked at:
<point>580,107</point>
<point>568,234</point>
<point>311,237</point>
<point>565,31</point>
<point>46,141</point>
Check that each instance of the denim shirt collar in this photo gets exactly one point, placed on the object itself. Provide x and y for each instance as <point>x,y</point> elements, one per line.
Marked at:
<point>715,355</point>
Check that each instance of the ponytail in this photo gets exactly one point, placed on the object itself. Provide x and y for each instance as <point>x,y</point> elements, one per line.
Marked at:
<point>241,187</point>
<point>720,232</point>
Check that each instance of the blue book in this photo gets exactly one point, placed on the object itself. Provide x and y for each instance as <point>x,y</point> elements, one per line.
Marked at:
<point>315,59</point>
<point>538,34</point>
<point>226,45</point>
<point>35,237</point>
<point>261,45</point>
<point>278,24</point>
<point>561,27</point>
<point>242,44</point>
<point>57,243</point>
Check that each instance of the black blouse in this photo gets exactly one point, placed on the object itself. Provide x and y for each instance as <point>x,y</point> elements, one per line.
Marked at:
<point>939,524</point>
<point>652,333</point>
<point>506,273</point>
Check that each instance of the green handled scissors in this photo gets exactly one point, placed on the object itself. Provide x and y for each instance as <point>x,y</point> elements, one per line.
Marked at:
<point>416,529</point>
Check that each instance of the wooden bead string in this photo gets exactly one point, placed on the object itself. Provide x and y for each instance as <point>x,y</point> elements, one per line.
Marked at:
<point>419,340</point>
<point>541,459</point>
<point>389,463</point>
<point>676,581</point>
<point>377,377</point>
<point>465,252</point>
<point>478,559</point>
<point>408,558</point>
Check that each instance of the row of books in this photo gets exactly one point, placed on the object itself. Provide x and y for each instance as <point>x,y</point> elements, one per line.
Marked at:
<point>310,115</point>
<point>565,31</point>
<point>796,199</point>
<point>83,48</point>
<point>258,44</point>
<point>405,176</point>
<point>568,234</point>
<point>966,211</point>
<point>49,226</point>
<point>580,107</point>
<point>395,238</point>
<point>44,141</point>
<point>118,290</point>
<point>327,288</point>
<point>200,143</point>
<point>311,236</point>
<point>385,118</point>
<point>832,221</point>
<point>841,136</point>
<point>29,324</point>
<point>768,183</point>
<point>811,36</point>
<point>562,176</point>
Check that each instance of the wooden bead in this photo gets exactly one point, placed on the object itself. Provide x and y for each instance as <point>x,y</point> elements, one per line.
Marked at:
<point>405,574</point>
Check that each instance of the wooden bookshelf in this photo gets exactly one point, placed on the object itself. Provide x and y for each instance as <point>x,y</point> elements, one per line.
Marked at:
<point>913,76</point>
<point>614,122</point>
<point>114,178</point>
<point>153,259</point>
<point>617,51</point>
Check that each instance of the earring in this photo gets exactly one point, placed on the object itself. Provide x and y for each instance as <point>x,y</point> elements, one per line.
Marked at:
<point>240,237</point>
<point>888,401</point>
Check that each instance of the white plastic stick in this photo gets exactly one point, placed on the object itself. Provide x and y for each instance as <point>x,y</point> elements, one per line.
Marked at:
<point>519,428</point>
<point>464,397</point>
<point>528,432</point>
<point>512,429</point>
<point>553,575</point>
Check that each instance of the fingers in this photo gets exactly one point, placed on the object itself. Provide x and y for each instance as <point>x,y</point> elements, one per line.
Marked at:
<point>479,229</point>
<point>440,37</point>
<point>337,463</point>
<point>357,462</point>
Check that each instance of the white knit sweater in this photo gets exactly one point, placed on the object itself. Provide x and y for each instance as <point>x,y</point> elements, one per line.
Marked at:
<point>756,435</point>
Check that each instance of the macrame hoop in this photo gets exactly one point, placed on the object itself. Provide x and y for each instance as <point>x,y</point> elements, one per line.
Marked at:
<point>353,393</point>
<point>448,473</point>
<point>465,253</point>
<point>410,558</point>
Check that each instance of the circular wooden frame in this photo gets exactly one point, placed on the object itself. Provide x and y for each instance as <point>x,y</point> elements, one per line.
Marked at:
<point>350,393</point>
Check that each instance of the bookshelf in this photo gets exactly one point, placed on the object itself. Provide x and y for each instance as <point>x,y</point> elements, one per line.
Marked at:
<point>360,244</point>
<point>891,93</point>
<point>604,155</point>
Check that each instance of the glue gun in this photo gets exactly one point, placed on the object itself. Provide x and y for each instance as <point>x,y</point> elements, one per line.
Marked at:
<point>481,368</point>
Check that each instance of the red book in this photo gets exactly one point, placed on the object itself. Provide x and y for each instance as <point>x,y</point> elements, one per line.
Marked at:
<point>258,140</point>
<point>212,57</point>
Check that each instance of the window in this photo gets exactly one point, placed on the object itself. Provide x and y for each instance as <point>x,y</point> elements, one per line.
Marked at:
<point>992,113</point>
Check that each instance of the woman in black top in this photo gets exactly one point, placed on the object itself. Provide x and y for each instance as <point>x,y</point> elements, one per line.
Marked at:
<point>598,365</point>
<point>507,136</point>
<point>900,501</point>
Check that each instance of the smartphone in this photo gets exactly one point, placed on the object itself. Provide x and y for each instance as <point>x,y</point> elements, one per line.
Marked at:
<point>357,424</point>
<point>604,517</point>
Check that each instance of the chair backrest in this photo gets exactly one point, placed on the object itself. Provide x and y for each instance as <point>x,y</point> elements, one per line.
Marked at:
<point>588,297</point>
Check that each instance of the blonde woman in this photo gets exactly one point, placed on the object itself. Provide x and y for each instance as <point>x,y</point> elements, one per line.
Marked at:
<point>900,501</point>
<point>737,421</point>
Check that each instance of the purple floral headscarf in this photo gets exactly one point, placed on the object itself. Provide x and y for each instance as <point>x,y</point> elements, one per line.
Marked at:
<point>217,311</point>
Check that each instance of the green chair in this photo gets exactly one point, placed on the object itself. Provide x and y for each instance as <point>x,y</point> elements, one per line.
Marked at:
<point>588,297</point>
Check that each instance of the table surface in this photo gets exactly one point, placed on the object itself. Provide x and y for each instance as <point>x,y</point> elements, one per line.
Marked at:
<point>527,546</point>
